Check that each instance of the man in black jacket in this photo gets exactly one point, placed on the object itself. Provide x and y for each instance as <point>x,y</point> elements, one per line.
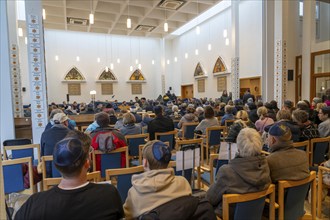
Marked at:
<point>160,123</point>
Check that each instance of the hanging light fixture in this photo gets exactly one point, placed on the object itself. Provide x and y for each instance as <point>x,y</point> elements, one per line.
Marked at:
<point>165,24</point>
<point>44,14</point>
<point>168,62</point>
<point>111,66</point>
<point>106,54</point>
<point>91,15</point>
<point>106,69</point>
<point>140,66</point>
<point>98,59</point>
<point>186,55</point>
<point>118,60</point>
<point>196,52</point>
<point>209,47</point>
<point>227,41</point>
<point>225,33</point>
<point>152,62</point>
<point>20,32</point>
<point>78,58</point>
<point>198,30</point>
<point>56,58</point>
<point>136,61</point>
<point>175,59</point>
<point>129,21</point>
<point>25,40</point>
<point>131,68</point>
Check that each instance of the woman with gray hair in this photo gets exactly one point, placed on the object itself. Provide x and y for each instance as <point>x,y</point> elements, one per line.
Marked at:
<point>129,126</point>
<point>248,172</point>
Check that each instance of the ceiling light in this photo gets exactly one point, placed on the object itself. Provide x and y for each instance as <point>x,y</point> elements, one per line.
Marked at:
<point>56,58</point>
<point>91,18</point>
<point>227,41</point>
<point>175,59</point>
<point>106,69</point>
<point>78,58</point>
<point>98,59</point>
<point>131,68</point>
<point>111,66</point>
<point>25,40</point>
<point>118,60</point>
<point>44,14</point>
<point>225,33</point>
<point>129,23</point>
<point>153,62</point>
<point>140,66</point>
<point>196,51</point>
<point>136,61</point>
<point>209,47</point>
<point>198,30</point>
<point>168,61</point>
<point>186,55</point>
<point>20,32</point>
<point>166,27</point>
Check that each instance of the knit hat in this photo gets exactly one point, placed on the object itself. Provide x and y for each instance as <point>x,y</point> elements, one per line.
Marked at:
<point>279,129</point>
<point>67,152</point>
<point>59,118</point>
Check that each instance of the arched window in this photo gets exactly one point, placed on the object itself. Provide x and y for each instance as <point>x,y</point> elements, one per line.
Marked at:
<point>74,74</point>
<point>199,71</point>
<point>219,66</point>
<point>137,75</point>
<point>107,75</point>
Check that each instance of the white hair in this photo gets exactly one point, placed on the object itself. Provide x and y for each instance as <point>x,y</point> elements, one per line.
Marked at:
<point>175,108</point>
<point>199,110</point>
<point>249,142</point>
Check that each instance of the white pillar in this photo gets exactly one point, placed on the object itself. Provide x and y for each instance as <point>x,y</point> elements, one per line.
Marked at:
<point>15,72</point>
<point>267,50</point>
<point>307,37</point>
<point>37,71</point>
<point>235,49</point>
<point>6,114</point>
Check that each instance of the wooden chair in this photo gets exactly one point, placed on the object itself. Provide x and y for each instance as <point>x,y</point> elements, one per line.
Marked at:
<point>169,136</point>
<point>249,205</point>
<point>188,130</point>
<point>111,160</point>
<point>193,142</point>
<point>47,181</point>
<point>124,176</point>
<point>320,186</point>
<point>303,145</point>
<point>213,138</point>
<point>176,122</point>
<point>13,176</point>
<point>319,147</point>
<point>210,171</point>
<point>133,142</point>
<point>291,197</point>
<point>21,151</point>
<point>228,123</point>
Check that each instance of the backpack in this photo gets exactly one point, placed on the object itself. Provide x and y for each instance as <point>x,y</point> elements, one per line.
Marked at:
<point>105,141</point>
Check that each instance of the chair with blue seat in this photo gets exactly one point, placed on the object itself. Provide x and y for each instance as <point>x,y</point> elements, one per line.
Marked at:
<point>169,136</point>
<point>13,176</point>
<point>249,205</point>
<point>111,160</point>
<point>133,142</point>
<point>292,195</point>
<point>213,137</point>
<point>124,179</point>
<point>17,141</point>
<point>187,173</point>
<point>21,151</point>
<point>228,123</point>
<point>319,147</point>
<point>303,145</point>
<point>188,130</point>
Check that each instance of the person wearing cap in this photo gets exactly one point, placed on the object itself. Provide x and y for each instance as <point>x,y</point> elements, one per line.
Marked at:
<point>248,172</point>
<point>74,197</point>
<point>159,123</point>
<point>157,185</point>
<point>285,162</point>
<point>324,127</point>
<point>53,135</point>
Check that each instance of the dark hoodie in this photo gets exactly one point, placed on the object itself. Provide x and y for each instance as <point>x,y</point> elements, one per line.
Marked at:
<point>241,175</point>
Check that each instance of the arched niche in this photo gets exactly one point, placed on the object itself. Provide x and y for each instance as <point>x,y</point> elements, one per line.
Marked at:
<point>220,66</point>
<point>137,76</point>
<point>199,71</point>
<point>107,75</point>
<point>74,75</point>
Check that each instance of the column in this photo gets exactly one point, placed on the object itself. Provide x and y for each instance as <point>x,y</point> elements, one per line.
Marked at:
<point>37,70</point>
<point>6,114</point>
<point>235,49</point>
<point>268,51</point>
<point>15,72</point>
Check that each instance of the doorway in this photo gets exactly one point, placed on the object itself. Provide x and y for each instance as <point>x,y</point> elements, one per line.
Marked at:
<point>253,84</point>
<point>187,91</point>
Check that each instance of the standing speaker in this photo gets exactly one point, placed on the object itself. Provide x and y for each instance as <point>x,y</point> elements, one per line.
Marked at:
<point>67,98</point>
<point>290,75</point>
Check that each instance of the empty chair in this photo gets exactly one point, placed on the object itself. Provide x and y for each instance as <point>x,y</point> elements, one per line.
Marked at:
<point>133,142</point>
<point>168,136</point>
<point>249,205</point>
<point>319,148</point>
<point>18,141</point>
<point>212,138</point>
<point>291,197</point>
<point>13,176</point>
<point>188,130</point>
<point>111,160</point>
<point>124,176</point>
<point>20,151</point>
<point>229,123</point>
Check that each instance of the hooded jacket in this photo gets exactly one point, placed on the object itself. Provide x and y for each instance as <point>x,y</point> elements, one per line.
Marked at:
<point>152,189</point>
<point>241,175</point>
<point>189,117</point>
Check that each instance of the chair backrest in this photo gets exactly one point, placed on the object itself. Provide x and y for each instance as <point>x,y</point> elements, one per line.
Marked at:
<point>188,130</point>
<point>303,145</point>
<point>187,173</point>
<point>56,175</point>
<point>94,177</point>
<point>169,136</point>
<point>321,171</point>
<point>13,175</point>
<point>249,205</point>
<point>133,142</point>
<point>124,178</point>
<point>229,123</point>
<point>214,134</point>
<point>319,148</point>
<point>20,151</point>
<point>18,141</point>
<point>176,122</point>
<point>111,160</point>
<point>291,197</point>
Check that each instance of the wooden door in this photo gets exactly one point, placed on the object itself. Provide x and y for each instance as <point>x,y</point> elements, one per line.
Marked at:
<point>187,91</point>
<point>252,83</point>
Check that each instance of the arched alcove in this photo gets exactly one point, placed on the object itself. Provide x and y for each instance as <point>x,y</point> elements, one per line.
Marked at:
<point>137,76</point>
<point>74,75</point>
<point>219,66</point>
<point>199,71</point>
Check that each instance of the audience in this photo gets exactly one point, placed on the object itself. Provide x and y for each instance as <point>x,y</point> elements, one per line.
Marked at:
<point>157,185</point>
<point>247,172</point>
<point>324,127</point>
<point>228,114</point>
<point>74,197</point>
<point>285,162</point>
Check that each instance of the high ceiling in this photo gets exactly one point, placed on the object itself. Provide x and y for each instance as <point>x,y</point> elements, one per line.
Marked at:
<point>111,15</point>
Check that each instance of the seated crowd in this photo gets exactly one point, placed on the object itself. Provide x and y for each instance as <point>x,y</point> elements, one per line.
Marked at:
<point>257,126</point>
